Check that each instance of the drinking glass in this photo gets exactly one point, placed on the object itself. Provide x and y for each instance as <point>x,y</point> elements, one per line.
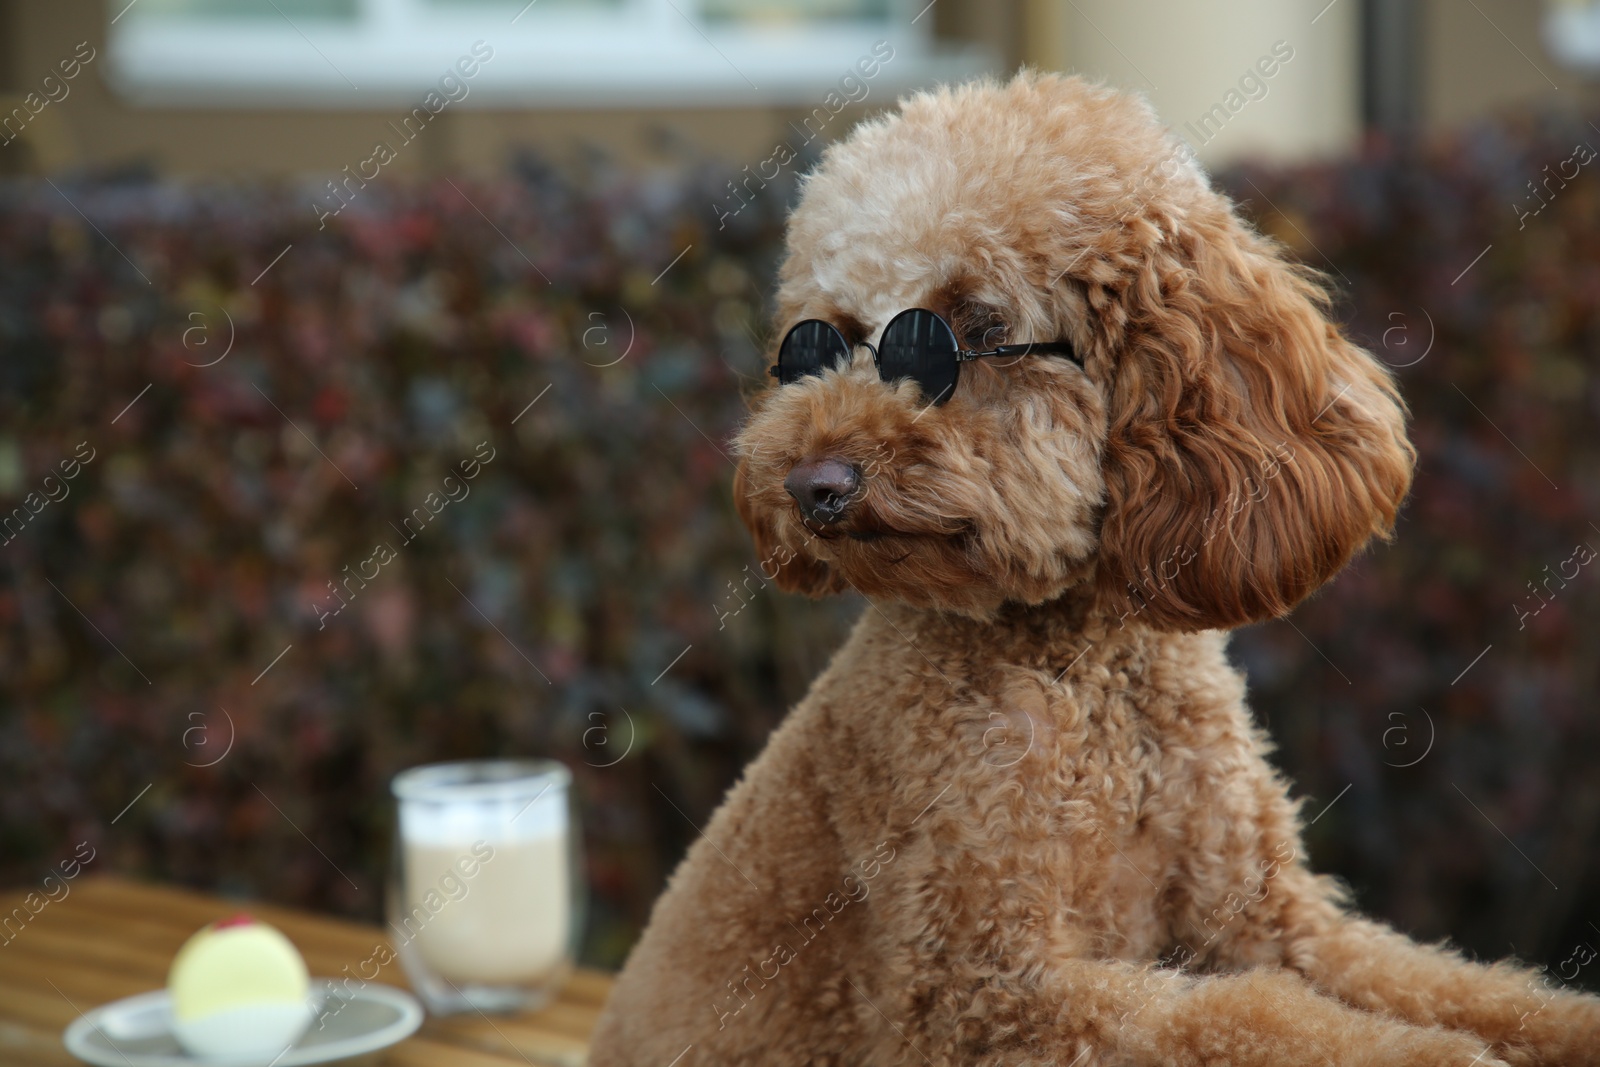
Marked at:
<point>485,893</point>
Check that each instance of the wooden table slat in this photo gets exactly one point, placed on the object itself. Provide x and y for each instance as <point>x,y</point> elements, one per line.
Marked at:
<point>179,913</point>
<point>28,1046</point>
<point>423,1051</point>
<point>506,1037</point>
<point>28,1006</point>
<point>124,951</point>
<point>545,1025</point>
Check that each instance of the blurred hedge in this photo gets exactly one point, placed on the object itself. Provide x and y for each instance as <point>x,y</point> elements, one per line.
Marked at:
<point>540,614</point>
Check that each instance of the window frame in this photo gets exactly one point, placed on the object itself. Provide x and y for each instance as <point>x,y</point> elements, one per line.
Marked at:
<point>644,53</point>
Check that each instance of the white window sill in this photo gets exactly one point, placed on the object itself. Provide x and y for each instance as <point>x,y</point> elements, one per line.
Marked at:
<point>567,63</point>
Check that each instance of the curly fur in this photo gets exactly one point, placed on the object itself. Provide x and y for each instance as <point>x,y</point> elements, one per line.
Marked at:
<point>1024,816</point>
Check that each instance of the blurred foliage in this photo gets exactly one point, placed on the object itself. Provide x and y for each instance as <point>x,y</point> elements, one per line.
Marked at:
<point>141,615</point>
<point>533,616</point>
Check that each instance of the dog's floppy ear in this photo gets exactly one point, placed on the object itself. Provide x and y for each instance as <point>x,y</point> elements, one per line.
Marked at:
<point>793,568</point>
<point>1252,449</point>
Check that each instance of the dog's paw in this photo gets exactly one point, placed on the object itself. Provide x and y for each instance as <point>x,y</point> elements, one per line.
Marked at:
<point>1415,1046</point>
<point>1565,1032</point>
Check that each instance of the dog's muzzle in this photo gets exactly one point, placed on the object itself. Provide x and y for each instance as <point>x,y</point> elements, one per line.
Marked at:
<point>824,489</point>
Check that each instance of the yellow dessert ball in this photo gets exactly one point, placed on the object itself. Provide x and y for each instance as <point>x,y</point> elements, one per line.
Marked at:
<point>239,991</point>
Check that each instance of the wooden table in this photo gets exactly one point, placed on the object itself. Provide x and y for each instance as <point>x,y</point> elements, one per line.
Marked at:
<point>111,938</point>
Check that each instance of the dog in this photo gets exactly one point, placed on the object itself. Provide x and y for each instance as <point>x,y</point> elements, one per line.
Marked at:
<point>1024,816</point>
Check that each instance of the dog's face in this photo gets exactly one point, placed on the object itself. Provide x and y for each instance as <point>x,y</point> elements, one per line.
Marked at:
<point>1220,451</point>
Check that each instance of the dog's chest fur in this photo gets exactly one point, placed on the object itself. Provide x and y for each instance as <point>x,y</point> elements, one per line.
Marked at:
<point>1097,791</point>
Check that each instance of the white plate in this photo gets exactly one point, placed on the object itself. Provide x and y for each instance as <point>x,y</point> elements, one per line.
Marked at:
<point>137,1031</point>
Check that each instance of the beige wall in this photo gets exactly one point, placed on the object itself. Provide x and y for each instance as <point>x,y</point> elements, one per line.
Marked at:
<point>1476,59</point>
<point>1185,55</point>
<point>1483,57</point>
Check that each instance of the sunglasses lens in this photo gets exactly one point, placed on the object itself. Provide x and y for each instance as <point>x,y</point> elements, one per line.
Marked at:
<point>919,345</point>
<point>810,347</point>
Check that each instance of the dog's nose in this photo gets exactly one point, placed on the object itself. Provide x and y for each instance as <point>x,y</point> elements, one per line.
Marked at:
<point>824,488</point>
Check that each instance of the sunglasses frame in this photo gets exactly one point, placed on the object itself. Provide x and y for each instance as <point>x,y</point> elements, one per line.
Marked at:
<point>960,356</point>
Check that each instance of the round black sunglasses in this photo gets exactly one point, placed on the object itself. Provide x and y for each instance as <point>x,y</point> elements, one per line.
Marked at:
<point>917,344</point>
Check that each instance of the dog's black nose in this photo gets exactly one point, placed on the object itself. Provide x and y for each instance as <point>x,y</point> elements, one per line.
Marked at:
<point>824,488</point>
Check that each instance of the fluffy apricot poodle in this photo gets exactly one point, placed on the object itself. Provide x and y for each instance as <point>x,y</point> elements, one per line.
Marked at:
<point>1025,816</point>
